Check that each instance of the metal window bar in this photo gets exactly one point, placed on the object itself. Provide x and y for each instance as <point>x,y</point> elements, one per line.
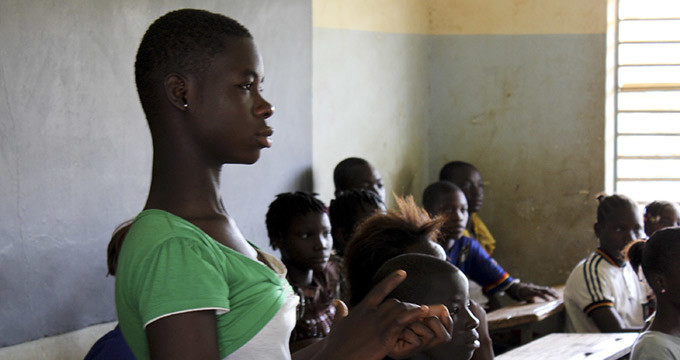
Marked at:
<point>639,88</point>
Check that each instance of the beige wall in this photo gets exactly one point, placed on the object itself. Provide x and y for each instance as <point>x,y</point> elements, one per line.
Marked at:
<point>515,87</point>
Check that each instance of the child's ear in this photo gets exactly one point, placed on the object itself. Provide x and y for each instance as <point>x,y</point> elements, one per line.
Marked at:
<point>276,242</point>
<point>176,91</point>
<point>598,229</point>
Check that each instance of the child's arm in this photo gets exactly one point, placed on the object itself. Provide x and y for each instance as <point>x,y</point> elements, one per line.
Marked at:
<point>190,335</point>
<point>378,328</point>
<point>608,320</point>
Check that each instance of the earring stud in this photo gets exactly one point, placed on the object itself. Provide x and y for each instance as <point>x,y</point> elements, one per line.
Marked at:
<point>186,106</point>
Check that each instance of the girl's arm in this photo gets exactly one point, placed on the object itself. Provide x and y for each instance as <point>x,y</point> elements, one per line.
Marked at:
<point>608,320</point>
<point>184,336</point>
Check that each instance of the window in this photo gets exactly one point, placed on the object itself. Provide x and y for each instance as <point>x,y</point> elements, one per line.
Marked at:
<point>647,102</point>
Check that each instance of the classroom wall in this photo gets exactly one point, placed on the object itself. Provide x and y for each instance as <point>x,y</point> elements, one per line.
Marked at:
<point>370,93</point>
<point>75,152</point>
<point>515,87</point>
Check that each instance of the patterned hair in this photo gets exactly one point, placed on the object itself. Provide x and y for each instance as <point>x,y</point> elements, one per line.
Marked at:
<point>611,204</point>
<point>341,173</point>
<point>382,237</point>
<point>449,170</point>
<point>653,210</point>
<point>345,209</point>
<point>285,208</point>
<point>182,41</point>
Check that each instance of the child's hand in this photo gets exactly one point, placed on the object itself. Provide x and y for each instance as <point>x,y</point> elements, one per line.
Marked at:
<point>528,291</point>
<point>377,328</point>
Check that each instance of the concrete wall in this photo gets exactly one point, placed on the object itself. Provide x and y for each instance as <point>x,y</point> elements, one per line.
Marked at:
<point>515,87</point>
<point>75,152</point>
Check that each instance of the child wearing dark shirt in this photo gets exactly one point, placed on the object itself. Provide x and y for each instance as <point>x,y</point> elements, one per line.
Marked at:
<point>447,200</point>
<point>298,225</point>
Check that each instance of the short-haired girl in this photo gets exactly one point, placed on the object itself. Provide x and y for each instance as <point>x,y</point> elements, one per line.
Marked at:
<point>188,284</point>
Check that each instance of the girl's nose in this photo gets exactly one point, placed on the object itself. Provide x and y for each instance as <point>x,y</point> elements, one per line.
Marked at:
<point>265,109</point>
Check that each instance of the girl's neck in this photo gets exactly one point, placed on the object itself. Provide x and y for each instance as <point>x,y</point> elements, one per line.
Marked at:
<point>667,319</point>
<point>297,276</point>
<point>185,186</point>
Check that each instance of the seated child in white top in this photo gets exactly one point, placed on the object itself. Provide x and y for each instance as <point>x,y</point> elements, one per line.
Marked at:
<point>603,292</point>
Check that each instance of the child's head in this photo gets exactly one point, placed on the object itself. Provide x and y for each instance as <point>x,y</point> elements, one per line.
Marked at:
<point>357,173</point>
<point>618,224</point>
<point>298,225</point>
<point>348,210</point>
<point>660,215</point>
<point>445,199</point>
<point>468,179</point>
<point>433,281</point>
<point>659,259</point>
<point>384,236</point>
<point>185,58</point>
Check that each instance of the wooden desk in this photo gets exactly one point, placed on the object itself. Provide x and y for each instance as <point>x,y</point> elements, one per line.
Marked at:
<point>522,316</point>
<point>574,347</point>
<point>524,313</point>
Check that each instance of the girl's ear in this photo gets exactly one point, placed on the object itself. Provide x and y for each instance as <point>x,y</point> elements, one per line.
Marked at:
<point>176,91</point>
<point>598,229</point>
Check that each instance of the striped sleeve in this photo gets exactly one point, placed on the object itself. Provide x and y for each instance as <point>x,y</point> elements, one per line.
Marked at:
<point>597,284</point>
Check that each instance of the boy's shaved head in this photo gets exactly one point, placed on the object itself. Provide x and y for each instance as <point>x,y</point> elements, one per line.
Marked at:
<point>421,270</point>
<point>434,191</point>
<point>451,169</point>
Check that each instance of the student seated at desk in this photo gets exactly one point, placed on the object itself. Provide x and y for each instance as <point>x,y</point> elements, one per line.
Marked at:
<point>445,199</point>
<point>385,236</point>
<point>298,225</point>
<point>659,257</point>
<point>660,215</point>
<point>469,180</point>
<point>603,292</point>
<point>433,281</point>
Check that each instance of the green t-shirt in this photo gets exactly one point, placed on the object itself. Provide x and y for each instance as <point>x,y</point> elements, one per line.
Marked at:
<point>167,266</point>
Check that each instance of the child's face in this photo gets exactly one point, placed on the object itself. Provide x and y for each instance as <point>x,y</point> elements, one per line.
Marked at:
<point>453,206</point>
<point>470,181</point>
<point>367,177</point>
<point>307,244</point>
<point>452,291</point>
<point>668,217</point>
<point>621,228</point>
<point>226,107</point>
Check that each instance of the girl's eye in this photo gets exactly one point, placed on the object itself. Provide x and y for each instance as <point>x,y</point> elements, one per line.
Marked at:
<point>454,310</point>
<point>246,86</point>
<point>618,229</point>
<point>304,236</point>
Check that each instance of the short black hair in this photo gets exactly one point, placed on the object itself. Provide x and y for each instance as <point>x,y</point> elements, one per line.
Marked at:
<point>658,254</point>
<point>287,206</point>
<point>420,270</point>
<point>434,190</point>
<point>609,204</point>
<point>182,41</point>
<point>345,209</point>
<point>341,177</point>
<point>654,208</point>
<point>448,171</point>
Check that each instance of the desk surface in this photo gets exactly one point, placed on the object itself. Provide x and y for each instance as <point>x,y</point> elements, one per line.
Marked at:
<point>574,347</point>
<point>524,313</point>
